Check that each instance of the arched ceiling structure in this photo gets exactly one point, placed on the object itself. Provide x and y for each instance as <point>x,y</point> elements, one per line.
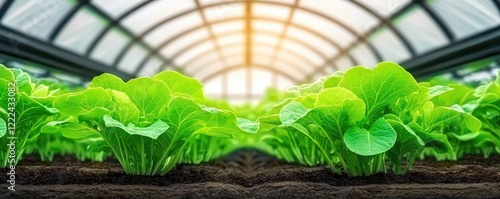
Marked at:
<point>291,41</point>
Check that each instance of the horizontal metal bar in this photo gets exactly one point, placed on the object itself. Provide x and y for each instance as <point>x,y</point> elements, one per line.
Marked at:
<point>19,45</point>
<point>479,46</point>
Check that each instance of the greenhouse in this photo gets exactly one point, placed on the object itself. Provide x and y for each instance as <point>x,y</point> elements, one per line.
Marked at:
<point>250,99</point>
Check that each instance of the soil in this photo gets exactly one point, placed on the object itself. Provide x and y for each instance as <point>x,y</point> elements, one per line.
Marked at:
<point>250,174</point>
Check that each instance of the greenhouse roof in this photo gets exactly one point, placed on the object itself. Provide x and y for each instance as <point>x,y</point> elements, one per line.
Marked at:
<point>237,48</point>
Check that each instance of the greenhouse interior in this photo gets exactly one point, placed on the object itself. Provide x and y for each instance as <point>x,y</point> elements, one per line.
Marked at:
<point>250,98</point>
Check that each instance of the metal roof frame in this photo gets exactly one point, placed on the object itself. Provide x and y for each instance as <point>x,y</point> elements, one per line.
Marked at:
<point>47,53</point>
<point>293,65</point>
<point>242,66</point>
<point>292,39</point>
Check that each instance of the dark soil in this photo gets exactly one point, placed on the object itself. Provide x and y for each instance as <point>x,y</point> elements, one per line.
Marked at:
<point>250,174</point>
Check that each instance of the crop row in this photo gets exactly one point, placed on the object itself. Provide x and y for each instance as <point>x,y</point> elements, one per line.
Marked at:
<point>358,122</point>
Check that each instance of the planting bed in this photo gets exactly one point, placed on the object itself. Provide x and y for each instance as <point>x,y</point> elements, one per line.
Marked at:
<point>250,174</point>
<point>359,123</point>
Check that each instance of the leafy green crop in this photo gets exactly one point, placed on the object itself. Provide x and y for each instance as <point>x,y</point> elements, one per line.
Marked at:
<point>26,111</point>
<point>204,148</point>
<point>487,109</point>
<point>286,144</point>
<point>365,116</point>
<point>145,122</point>
<point>47,145</point>
<point>484,104</point>
<point>358,122</point>
<point>50,141</point>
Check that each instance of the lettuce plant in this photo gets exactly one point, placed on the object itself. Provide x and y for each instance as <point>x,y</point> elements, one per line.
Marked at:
<point>286,144</point>
<point>363,118</point>
<point>47,145</point>
<point>30,113</point>
<point>146,122</point>
<point>487,109</point>
<point>483,103</point>
<point>346,120</point>
<point>204,148</point>
<point>417,116</point>
<point>50,141</point>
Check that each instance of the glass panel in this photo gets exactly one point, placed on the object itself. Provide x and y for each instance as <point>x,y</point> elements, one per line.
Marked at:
<point>28,67</point>
<point>364,56</point>
<point>344,63</point>
<point>205,59</point>
<point>208,70</point>
<point>322,45</point>
<point>261,80</point>
<point>230,39</point>
<point>80,31</point>
<point>311,55</point>
<point>466,18</point>
<point>213,87</point>
<point>384,8</point>
<point>132,59</point>
<point>261,59</point>
<point>36,18</point>
<point>110,45</point>
<point>194,53</point>
<point>263,48</point>
<point>150,68</point>
<point>266,39</point>
<point>227,27</point>
<point>345,12</point>
<point>201,62</point>
<point>321,25</point>
<point>330,69</point>
<point>231,49</point>
<point>297,57</point>
<point>286,68</point>
<point>182,42</point>
<point>267,26</point>
<point>269,10</point>
<point>67,77</point>
<point>116,8</point>
<point>236,81</point>
<point>155,12</point>
<point>389,46</point>
<point>318,76</point>
<point>169,67</point>
<point>420,30</point>
<point>225,11</point>
<point>235,60</point>
<point>284,83</point>
<point>358,53</point>
<point>305,66</point>
<point>173,28</point>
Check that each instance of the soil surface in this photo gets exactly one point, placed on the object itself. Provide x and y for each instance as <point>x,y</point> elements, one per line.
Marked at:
<point>250,174</point>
